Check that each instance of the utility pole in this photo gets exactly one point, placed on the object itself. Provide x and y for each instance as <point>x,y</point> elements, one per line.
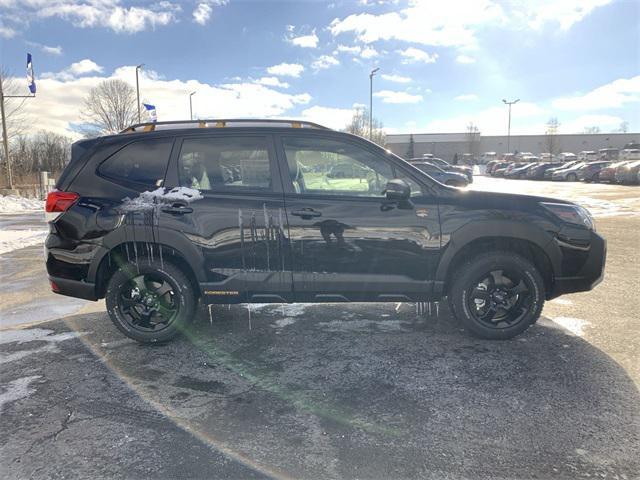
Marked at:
<point>371,75</point>
<point>5,137</point>
<point>191,106</point>
<point>509,124</point>
<point>138,67</point>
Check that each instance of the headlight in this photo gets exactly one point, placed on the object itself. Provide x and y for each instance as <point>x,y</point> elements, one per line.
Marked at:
<point>574,214</point>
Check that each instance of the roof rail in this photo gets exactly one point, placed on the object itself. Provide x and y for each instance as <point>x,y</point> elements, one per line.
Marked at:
<point>220,123</point>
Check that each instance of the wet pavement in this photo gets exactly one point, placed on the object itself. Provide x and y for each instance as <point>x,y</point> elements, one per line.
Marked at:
<point>332,391</point>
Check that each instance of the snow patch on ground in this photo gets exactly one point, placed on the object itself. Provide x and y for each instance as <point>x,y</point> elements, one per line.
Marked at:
<point>35,334</point>
<point>148,200</point>
<point>362,326</point>
<point>561,301</point>
<point>574,325</point>
<point>286,310</point>
<point>17,389</point>
<point>605,208</point>
<point>284,322</point>
<point>13,204</point>
<point>14,239</point>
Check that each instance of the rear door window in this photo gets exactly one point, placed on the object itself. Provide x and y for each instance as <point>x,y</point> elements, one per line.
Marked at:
<point>142,163</point>
<point>225,163</point>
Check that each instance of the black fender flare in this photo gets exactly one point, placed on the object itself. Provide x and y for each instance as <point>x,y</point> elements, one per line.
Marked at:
<point>498,228</point>
<point>169,239</point>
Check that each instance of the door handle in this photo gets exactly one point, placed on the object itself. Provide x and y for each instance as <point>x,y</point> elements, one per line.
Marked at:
<point>306,213</point>
<point>177,209</point>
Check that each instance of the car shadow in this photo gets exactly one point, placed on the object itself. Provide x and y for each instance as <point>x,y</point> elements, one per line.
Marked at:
<point>368,390</point>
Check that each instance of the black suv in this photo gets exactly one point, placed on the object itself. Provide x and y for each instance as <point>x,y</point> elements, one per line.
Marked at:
<point>163,216</point>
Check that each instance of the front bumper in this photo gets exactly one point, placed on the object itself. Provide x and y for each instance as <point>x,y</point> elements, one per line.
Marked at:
<point>585,275</point>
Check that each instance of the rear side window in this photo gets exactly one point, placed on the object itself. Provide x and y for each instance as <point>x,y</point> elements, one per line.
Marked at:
<point>143,162</point>
<point>224,163</point>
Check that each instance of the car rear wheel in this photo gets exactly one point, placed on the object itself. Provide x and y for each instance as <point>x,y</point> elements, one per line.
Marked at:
<point>151,302</point>
<point>497,295</point>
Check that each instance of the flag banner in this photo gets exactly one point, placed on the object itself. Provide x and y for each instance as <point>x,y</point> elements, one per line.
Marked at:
<point>31,81</point>
<point>151,110</point>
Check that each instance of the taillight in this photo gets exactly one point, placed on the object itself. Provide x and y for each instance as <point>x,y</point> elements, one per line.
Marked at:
<point>58,203</point>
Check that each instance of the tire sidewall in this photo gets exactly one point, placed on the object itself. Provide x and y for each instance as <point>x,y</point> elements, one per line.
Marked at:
<point>483,264</point>
<point>183,293</point>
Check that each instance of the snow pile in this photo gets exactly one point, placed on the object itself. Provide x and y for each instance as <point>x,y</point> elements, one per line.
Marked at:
<point>15,239</point>
<point>13,204</point>
<point>147,200</point>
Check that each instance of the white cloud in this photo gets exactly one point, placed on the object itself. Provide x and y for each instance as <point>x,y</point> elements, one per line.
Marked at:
<point>103,13</point>
<point>428,22</point>
<point>6,32</point>
<point>465,59</point>
<point>202,13</point>
<point>612,95</point>
<point>272,82</point>
<point>368,52</point>
<point>76,69</point>
<point>46,48</point>
<point>286,70</point>
<point>413,54</point>
<point>527,118</point>
<point>324,61</point>
<point>396,78</point>
<point>305,41</point>
<point>606,123</point>
<point>466,97</point>
<point>354,49</point>
<point>337,118</point>
<point>390,96</point>
<point>62,99</point>
<point>566,12</point>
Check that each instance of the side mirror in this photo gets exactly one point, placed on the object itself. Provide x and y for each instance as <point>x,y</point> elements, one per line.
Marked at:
<point>397,190</point>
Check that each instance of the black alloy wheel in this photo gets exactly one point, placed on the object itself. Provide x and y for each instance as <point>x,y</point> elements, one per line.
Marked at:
<point>500,298</point>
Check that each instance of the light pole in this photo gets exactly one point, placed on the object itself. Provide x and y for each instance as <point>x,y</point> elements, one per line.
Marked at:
<point>138,67</point>
<point>191,106</point>
<point>371,75</point>
<point>509,124</point>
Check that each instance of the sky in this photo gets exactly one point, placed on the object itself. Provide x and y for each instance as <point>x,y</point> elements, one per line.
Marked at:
<point>443,64</point>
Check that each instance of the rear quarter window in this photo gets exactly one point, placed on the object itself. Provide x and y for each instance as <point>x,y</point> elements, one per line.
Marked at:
<point>142,163</point>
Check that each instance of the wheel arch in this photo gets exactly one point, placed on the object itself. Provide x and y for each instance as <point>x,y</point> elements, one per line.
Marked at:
<point>136,252</point>
<point>529,241</point>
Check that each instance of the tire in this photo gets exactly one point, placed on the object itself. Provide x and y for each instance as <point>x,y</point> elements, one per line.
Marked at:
<point>471,304</point>
<point>164,289</point>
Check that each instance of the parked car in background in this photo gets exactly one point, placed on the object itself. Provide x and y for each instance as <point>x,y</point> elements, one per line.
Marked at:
<point>569,174</point>
<point>608,174</point>
<point>453,179</point>
<point>498,166</point>
<point>548,173</point>
<point>537,172</point>
<point>566,157</point>
<point>588,156</point>
<point>520,171</point>
<point>487,157</point>
<point>590,172</point>
<point>610,154</point>
<point>627,174</point>
<point>630,154</point>
<point>446,166</point>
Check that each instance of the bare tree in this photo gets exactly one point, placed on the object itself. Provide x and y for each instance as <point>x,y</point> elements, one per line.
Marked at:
<point>110,107</point>
<point>473,140</point>
<point>44,151</point>
<point>624,127</point>
<point>551,136</point>
<point>359,125</point>
<point>591,130</point>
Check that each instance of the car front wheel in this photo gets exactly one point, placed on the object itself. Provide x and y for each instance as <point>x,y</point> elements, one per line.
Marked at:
<point>497,295</point>
<point>151,302</point>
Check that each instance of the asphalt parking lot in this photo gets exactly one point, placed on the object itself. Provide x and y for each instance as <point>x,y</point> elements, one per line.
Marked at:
<point>330,391</point>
